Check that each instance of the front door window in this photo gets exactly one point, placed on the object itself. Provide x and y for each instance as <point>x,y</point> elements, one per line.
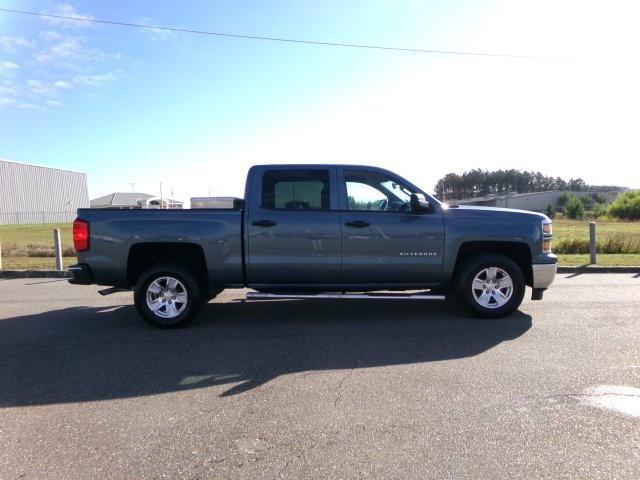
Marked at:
<point>372,191</point>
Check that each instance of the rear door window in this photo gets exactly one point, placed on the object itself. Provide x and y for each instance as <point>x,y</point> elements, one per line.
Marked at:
<point>295,190</point>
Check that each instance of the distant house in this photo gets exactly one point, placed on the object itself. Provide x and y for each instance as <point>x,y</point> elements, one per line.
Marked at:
<point>133,200</point>
<point>534,201</point>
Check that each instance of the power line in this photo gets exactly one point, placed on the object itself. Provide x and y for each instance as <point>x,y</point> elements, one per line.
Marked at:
<point>272,39</point>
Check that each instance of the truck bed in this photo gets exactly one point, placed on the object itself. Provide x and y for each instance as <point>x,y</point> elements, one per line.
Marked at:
<point>216,234</point>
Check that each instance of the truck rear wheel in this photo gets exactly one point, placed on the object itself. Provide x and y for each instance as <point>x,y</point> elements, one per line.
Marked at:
<point>491,285</point>
<point>167,296</point>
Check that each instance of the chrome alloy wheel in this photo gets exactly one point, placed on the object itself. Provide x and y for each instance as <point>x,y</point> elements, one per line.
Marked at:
<point>167,297</point>
<point>492,287</point>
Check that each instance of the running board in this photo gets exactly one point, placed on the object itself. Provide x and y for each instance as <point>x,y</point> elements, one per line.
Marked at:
<point>110,290</point>
<point>358,296</point>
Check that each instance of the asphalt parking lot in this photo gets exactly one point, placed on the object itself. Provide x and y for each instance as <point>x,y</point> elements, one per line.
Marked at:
<point>320,389</point>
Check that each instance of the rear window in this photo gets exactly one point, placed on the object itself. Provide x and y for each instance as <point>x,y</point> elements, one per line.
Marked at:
<point>295,189</point>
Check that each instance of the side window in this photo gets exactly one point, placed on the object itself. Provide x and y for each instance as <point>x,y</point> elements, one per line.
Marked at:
<point>361,196</point>
<point>371,191</point>
<point>295,189</point>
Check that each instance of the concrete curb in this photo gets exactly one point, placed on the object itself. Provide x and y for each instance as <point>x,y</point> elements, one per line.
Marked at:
<point>35,274</point>
<point>598,269</point>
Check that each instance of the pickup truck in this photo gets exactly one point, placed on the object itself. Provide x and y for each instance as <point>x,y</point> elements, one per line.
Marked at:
<point>317,231</point>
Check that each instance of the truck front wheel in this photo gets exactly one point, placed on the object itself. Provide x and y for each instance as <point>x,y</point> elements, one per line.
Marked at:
<point>167,296</point>
<point>491,285</point>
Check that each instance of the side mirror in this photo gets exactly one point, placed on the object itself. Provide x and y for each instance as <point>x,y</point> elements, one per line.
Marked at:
<point>419,203</point>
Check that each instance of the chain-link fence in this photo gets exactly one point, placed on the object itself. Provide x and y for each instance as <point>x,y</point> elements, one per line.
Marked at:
<point>24,218</point>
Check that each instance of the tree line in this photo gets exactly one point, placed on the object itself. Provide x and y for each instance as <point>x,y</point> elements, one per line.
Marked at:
<point>478,183</point>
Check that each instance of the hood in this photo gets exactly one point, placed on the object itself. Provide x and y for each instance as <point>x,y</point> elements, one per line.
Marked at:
<point>490,211</point>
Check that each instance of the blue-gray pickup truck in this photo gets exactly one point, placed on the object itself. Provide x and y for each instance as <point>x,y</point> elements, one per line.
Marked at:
<point>317,231</point>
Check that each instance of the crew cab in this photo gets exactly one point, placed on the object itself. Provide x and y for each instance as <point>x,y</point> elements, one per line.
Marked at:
<point>317,231</point>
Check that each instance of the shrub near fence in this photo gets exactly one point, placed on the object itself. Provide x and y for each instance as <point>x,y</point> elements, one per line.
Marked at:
<point>626,206</point>
<point>617,243</point>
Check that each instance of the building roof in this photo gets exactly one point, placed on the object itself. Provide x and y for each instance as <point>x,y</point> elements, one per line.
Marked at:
<point>40,166</point>
<point>120,199</point>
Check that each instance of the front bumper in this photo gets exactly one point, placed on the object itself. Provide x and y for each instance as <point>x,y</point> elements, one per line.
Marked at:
<point>543,274</point>
<point>81,274</point>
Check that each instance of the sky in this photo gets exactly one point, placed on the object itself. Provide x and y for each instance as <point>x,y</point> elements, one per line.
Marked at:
<point>133,106</point>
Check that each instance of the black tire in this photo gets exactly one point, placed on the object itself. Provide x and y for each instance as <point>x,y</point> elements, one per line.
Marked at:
<point>165,317</point>
<point>474,266</point>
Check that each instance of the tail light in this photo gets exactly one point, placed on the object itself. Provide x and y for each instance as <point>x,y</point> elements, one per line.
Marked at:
<point>81,235</point>
<point>547,236</point>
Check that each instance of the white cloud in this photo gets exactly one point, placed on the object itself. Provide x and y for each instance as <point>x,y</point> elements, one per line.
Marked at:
<point>13,44</point>
<point>69,51</point>
<point>62,85</point>
<point>8,66</point>
<point>98,80</point>
<point>59,61</point>
<point>51,35</point>
<point>40,87</point>
<point>68,10</point>
<point>66,51</point>
<point>154,34</point>
<point>30,106</point>
<point>54,103</point>
<point>9,90</point>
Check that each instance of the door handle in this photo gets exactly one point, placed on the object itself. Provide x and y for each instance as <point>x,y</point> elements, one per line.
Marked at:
<point>357,224</point>
<point>264,223</point>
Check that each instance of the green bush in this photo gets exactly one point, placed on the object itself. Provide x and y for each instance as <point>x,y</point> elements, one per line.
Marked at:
<point>564,198</point>
<point>626,206</point>
<point>587,201</point>
<point>599,210</point>
<point>574,208</point>
<point>550,211</point>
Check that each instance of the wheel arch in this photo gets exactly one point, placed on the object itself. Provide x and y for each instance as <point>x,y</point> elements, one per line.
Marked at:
<point>145,255</point>
<point>519,252</point>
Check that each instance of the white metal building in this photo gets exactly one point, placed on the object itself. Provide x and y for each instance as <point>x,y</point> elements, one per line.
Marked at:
<point>36,194</point>
<point>534,201</point>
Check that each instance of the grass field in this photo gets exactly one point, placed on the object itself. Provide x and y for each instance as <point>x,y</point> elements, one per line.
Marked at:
<point>30,247</point>
<point>15,237</point>
<point>34,263</point>
<point>612,237</point>
<point>26,247</point>
<point>605,260</point>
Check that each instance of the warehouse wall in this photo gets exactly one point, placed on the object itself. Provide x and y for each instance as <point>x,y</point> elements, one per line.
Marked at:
<point>536,202</point>
<point>33,194</point>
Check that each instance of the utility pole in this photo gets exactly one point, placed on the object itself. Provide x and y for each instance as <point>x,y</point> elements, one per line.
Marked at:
<point>131,184</point>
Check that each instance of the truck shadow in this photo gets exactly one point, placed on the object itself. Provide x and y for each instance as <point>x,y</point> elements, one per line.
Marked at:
<point>84,354</point>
